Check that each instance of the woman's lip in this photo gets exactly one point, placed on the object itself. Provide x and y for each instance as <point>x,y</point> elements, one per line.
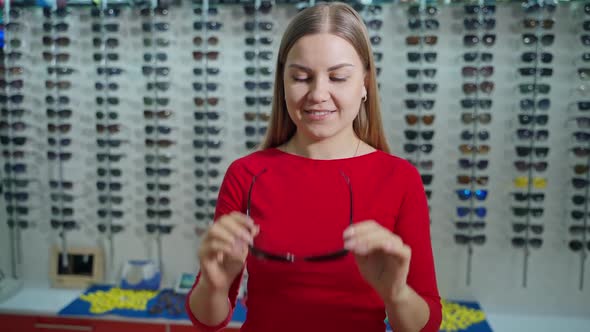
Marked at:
<point>309,111</point>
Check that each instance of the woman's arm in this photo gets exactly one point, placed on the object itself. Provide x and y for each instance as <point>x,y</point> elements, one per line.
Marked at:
<point>407,313</point>
<point>210,307</point>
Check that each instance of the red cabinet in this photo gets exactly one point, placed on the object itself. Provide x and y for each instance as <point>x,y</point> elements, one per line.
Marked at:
<point>17,323</point>
<point>118,326</point>
<point>23,323</point>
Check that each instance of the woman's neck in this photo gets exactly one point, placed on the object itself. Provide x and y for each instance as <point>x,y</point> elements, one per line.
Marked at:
<point>326,149</point>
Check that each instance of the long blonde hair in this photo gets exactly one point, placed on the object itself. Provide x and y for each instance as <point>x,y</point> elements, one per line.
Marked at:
<point>341,20</point>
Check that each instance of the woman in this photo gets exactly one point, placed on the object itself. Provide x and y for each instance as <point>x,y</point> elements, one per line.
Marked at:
<point>333,229</point>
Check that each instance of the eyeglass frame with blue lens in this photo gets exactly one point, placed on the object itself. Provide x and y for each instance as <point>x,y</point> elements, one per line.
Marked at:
<point>290,257</point>
<point>465,194</point>
<point>463,211</point>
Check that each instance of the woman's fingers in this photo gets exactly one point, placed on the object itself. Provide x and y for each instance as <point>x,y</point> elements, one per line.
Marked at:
<point>366,237</point>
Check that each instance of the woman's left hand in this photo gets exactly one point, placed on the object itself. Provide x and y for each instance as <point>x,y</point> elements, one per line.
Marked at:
<point>382,258</point>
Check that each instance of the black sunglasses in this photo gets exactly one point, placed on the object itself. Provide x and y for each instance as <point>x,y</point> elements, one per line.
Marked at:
<point>289,257</point>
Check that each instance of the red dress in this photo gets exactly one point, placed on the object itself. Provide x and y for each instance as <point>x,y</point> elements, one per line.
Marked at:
<point>302,206</point>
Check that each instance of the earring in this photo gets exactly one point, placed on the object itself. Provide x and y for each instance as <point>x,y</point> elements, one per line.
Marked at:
<point>364,98</point>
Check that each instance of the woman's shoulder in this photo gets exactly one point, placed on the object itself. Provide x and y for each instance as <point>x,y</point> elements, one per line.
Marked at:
<point>253,162</point>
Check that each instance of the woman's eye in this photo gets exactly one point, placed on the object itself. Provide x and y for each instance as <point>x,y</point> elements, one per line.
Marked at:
<point>338,79</point>
<point>300,79</point>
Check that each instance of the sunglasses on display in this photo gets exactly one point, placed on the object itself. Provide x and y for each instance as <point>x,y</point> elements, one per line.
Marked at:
<point>426,104</point>
<point>109,56</point>
<point>162,143</point>
<point>108,27</point>
<point>110,157</point>
<point>466,239</point>
<point>531,71</point>
<point>113,228</point>
<point>159,186</point>
<point>483,118</point>
<point>414,73</point>
<point>579,183</point>
<point>482,56</point>
<point>522,166</point>
<point>16,196</point>
<point>577,229</point>
<point>534,88</point>
<point>211,25</point>
<point>63,156</point>
<point>472,148</point>
<point>199,144</point>
<point>103,199</point>
<point>428,10</point>
<point>159,11</point>
<point>533,56</point>
<point>59,41</point>
<point>5,140</point>
<point>158,26</point>
<point>162,229</point>
<point>158,213</point>
<point>465,194</point>
<point>522,212</point>
<point>477,9</point>
<point>578,215</point>
<point>200,116</point>
<point>485,71</point>
<point>485,87</point>
<point>534,23</point>
<point>200,130</point>
<point>417,40</point>
<point>413,134</point>
<point>463,211</point>
<point>65,225</point>
<point>211,11</point>
<point>103,213</point>
<point>535,197</point>
<point>468,163</point>
<point>467,135</point>
<point>429,24</point>
<point>577,245</point>
<point>425,87</point>
<point>429,57</point>
<point>106,12</point>
<point>472,103</point>
<point>150,200</point>
<point>110,86</point>
<point>160,129</point>
<point>411,147</point>
<point>581,169</point>
<point>113,143</point>
<point>476,225</point>
<point>475,24</point>
<point>197,86</point>
<point>113,186</point>
<point>467,179</point>
<point>520,242</point>
<point>523,182</point>
<point>412,119</point>
<point>525,151</point>
<point>472,40</point>
<point>159,42</point>
<point>581,151</point>
<point>531,39</point>
<point>116,172</point>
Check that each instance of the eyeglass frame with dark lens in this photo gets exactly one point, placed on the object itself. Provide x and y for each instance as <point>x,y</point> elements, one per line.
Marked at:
<point>289,257</point>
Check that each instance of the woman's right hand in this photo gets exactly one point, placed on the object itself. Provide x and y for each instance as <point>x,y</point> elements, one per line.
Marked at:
<point>224,249</point>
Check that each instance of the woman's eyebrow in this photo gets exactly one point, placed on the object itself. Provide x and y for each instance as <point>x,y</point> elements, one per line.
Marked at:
<point>301,67</point>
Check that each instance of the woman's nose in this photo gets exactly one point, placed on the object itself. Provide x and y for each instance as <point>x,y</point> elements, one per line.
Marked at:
<point>319,91</point>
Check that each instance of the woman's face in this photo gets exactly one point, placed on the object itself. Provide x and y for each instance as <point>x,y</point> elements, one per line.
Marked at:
<point>324,85</point>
